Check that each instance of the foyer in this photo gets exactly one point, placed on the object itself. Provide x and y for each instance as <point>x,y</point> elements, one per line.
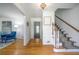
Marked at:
<point>39,28</point>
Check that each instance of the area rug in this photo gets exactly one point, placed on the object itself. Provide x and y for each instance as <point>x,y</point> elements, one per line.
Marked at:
<point>3,45</point>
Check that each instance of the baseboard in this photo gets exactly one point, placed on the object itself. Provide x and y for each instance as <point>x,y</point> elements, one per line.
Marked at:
<point>65,50</point>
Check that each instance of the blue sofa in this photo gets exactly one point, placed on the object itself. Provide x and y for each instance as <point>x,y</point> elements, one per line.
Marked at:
<point>8,37</point>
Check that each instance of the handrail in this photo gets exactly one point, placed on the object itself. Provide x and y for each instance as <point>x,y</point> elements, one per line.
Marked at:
<point>67,24</point>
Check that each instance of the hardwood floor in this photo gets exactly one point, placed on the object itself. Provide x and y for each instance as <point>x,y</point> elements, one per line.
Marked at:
<point>34,48</point>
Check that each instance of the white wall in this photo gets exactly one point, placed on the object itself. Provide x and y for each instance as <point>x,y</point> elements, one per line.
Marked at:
<point>12,13</point>
<point>32,20</point>
<point>15,22</point>
<point>47,29</point>
<point>72,17</point>
<point>26,31</point>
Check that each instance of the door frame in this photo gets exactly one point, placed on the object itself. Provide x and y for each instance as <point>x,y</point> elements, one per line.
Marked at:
<point>32,20</point>
<point>36,24</point>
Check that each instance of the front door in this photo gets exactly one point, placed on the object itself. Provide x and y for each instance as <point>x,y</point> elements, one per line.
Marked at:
<point>36,29</point>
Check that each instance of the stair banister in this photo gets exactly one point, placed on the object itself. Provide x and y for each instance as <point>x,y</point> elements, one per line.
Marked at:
<point>68,24</point>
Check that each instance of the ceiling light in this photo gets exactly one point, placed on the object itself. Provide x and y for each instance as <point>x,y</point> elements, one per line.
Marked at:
<point>43,5</point>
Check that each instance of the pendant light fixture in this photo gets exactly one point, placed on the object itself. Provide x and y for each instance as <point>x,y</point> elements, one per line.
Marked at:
<point>43,5</point>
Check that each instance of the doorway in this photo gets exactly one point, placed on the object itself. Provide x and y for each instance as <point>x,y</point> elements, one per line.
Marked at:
<point>36,30</point>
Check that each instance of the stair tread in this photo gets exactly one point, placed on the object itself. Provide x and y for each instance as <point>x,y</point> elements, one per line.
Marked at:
<point>67,42</point>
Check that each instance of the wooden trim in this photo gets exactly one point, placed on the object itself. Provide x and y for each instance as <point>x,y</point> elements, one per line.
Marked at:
<point>68,24</point>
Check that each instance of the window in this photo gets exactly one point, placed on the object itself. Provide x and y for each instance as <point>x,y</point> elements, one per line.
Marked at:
<point>6,26</point>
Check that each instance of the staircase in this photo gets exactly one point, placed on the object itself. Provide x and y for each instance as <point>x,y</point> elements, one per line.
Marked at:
<point>65,39</point>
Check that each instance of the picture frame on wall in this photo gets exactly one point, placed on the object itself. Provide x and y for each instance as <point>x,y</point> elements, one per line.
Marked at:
<point>47,20</point>
<point>27,23</point>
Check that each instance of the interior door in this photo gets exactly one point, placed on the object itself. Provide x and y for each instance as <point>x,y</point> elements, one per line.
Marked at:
<point>36,29</point>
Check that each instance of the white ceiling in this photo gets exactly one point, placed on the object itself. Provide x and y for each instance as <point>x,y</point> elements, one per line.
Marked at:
<point>28,9</point>
<point>34,10</point>
<point>9,10</point>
